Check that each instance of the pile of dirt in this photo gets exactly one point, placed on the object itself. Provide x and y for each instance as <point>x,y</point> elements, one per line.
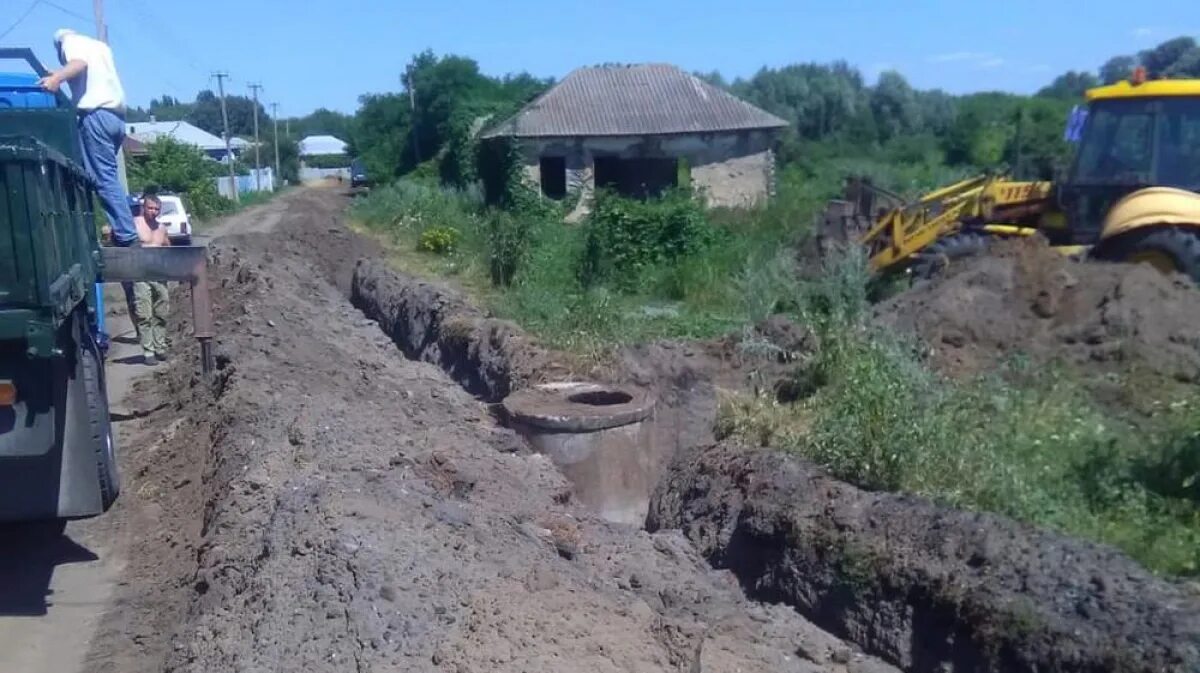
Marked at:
<point>925,587</point>
<point>357,510</point>
<point>1025,299</point>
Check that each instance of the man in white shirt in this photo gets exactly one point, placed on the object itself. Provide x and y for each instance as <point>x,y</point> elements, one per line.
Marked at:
<point>96,89</point>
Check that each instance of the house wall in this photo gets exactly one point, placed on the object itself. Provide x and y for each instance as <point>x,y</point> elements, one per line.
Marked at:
<point>731,169</point>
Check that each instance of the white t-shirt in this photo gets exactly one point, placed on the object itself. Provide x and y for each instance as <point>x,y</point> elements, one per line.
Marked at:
<point>98,86</point>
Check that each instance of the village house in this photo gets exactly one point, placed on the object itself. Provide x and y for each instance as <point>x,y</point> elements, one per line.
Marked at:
<point>138,134</point>
<point>642,129</point>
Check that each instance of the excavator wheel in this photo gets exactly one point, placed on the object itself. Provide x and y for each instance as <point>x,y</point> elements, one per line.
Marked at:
<point>941,254</point>
<point>1168,249</point>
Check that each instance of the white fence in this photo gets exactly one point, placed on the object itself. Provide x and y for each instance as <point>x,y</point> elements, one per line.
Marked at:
<point>248,183</point>
<point>317,174</point>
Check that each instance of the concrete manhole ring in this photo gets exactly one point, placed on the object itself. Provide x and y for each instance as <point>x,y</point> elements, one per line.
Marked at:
<point>575,406</point>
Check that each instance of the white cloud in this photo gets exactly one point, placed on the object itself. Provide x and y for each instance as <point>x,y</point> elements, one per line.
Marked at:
<point>959,56</point>
<point>991,63</point>
<point>1143,32</point>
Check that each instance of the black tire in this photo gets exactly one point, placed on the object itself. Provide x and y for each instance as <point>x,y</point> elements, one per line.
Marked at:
<point>1179,246</point>
<point>936,258</point>
<point>100,435</point>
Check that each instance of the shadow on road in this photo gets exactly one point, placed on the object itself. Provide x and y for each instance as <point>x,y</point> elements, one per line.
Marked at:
<point>29,553</point>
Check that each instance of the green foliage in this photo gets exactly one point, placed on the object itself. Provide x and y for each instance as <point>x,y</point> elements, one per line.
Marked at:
<point>1040,452</point>
<point>508,245</point>
<point>1070,85</point>
<point>439,240</point>
<point>451,97</point>
<point>327,161</point>
<point>626,237</point>
<point>172,166</point>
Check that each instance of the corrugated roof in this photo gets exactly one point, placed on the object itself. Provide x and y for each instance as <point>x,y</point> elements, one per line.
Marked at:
<point>317,145</point>
<point>648,99</point>
<point>181,131</point>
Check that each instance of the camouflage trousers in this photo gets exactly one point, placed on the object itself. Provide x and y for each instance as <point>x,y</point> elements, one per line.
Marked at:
<point>150,304</point>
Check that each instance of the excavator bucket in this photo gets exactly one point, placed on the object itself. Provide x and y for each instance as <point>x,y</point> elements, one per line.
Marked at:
<point>848,219</point>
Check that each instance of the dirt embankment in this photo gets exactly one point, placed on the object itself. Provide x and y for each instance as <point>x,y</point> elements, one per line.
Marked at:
<point>351,509</point>
<point>1026,300</point>
<point>431,323</point>
<point>926,588</point>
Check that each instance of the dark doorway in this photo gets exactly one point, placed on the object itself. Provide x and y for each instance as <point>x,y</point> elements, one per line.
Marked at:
<point>637,178</point>
<point>554,176</point>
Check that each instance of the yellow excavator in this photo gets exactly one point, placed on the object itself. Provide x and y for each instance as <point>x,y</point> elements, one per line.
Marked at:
<point>1130,195</point>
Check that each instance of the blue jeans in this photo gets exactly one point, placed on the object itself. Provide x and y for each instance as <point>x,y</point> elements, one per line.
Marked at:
<point>102,132</point>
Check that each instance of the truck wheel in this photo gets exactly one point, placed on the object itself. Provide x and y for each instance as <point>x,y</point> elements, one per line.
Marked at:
<point>100,433</point>
<point>938,257</point>
<point>1168,249</point>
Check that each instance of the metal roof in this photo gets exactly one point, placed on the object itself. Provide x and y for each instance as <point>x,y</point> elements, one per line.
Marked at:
<point>180,130</point>
<point>648,99</point>
<point>317,145</point>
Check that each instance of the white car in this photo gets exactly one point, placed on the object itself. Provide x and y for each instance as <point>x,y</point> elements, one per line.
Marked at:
<point>176,219</point>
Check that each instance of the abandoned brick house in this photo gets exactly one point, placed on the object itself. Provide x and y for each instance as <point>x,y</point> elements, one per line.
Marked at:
<point>641,129</point>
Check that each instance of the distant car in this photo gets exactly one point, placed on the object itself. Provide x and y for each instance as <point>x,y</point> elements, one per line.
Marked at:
<point>358,174</point>
<point>176,219</point>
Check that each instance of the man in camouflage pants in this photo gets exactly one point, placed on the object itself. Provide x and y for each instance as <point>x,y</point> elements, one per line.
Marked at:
<point>150,299</point>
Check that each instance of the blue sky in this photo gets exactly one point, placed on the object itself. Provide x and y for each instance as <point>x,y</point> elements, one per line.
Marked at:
<point>328,53</point>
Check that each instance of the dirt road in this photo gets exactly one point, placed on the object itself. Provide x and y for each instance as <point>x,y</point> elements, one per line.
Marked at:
<point>325,504</point>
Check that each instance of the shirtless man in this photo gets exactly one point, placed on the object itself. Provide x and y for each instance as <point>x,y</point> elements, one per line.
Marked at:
<point>150,298</point>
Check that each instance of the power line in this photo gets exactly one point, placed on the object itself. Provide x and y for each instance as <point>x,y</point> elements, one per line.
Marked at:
<point>188,55</point>
<point>32,6</point>
<point>66,10</point>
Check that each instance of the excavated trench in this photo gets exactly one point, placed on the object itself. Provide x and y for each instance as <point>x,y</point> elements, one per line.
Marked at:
<point>477,505</point>
<point>327,505</point>
<point>922,587</point>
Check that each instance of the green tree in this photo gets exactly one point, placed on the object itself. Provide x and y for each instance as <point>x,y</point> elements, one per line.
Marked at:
<point>171,166</point>
<point>1070,85</point>
<point>205,113</point>
<point>1161,60</point>
<point>1117,68</point>
<point>894,105</point>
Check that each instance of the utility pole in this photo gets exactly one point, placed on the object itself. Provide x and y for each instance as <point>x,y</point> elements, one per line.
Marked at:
<point>412,106</point>
<point>101,29</point>
<point>275,117</point>
<point>257,163</point>
<point>225,119</point>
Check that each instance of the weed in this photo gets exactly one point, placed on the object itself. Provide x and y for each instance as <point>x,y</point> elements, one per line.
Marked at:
<point>439,240</point>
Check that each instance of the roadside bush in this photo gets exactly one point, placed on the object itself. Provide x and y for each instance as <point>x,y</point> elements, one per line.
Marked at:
<point>508,245</point>
<point>439,240</point>
<point>1040,452</point>
<point>169,165</point>
<point>326,161</point>
<point>626,238</point>
<point>410,207</point>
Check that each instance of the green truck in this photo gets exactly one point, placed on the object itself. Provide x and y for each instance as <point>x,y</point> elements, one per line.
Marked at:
<point>57,452</point>
<point>57,455</point>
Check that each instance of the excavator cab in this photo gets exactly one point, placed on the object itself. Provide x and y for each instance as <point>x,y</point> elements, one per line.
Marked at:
<point>1132,191</point>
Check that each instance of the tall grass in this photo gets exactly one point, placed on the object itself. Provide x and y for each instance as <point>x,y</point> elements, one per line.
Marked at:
<point>1042,452</point>
<point>743,273</point>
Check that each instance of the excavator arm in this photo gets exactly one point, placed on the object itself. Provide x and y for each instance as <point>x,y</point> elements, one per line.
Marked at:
<point>895,236</point>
